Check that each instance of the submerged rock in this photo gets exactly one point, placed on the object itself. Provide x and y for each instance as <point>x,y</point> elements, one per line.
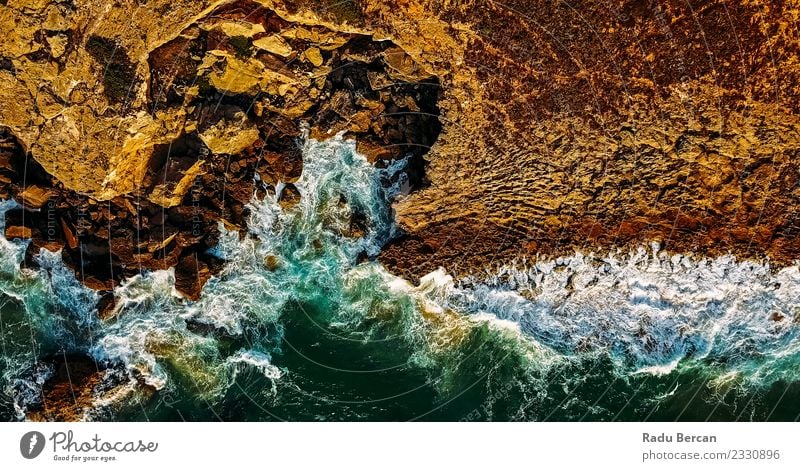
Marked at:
<point>76,389</point>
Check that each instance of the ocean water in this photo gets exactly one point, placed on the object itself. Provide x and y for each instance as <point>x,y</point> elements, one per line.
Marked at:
<point>304,324</point>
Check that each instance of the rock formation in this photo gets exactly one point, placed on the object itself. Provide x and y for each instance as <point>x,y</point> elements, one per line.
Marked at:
<point>130,131</point>
<point>564,125</point>
<point>606,124</point>
<point>161,151</point>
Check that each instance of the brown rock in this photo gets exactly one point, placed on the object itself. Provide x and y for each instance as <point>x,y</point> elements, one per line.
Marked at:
<point>34,196</point>
<point>274,44</point>
<point>106,306</point>
<point>230,135</point>
<point>272,262</point>
<point>289,197</point>
<point>69,235</point>
<point>314,56</point>
<point>18,232</point>
<point>70,393</point>
<point>549,142</point>
<point>191,273</point>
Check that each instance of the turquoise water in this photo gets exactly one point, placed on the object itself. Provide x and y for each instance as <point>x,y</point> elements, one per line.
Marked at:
<point>302,325</point>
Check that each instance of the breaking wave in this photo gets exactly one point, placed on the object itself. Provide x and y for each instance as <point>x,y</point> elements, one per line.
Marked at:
<point>304,324</point>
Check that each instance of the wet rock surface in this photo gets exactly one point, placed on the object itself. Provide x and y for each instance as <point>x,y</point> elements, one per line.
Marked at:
<point>587,126</point>
<point>226,105</point>
<point>71,391</point>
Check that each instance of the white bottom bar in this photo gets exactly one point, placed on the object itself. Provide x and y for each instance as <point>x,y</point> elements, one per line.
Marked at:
<point>353,446</point>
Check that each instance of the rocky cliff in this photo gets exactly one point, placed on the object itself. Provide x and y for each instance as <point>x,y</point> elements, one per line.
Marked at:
<point>554,125</point>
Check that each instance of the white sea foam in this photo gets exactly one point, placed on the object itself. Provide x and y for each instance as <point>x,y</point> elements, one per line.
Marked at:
<point>649,308</point>
<point>28,391</point>
<point>150,319</point>
<point>261,361</point>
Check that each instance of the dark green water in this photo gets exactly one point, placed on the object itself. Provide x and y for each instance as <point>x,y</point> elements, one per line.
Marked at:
<point>641,336</point>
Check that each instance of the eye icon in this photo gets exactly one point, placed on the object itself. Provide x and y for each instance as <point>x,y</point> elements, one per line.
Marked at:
<point>31,445</point>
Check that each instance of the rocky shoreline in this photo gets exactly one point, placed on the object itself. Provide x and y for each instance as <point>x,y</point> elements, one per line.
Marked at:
<point>556,134</point>
<point>241,84</point>
<point>534,129</point>
<point>606,125</point>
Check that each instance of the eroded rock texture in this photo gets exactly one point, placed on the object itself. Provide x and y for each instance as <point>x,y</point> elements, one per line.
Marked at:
<point>78,389</point>
<point>606,124</point>
<point>565,124</point>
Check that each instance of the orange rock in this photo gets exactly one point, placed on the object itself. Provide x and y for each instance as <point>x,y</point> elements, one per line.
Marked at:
<point>18,232</point>
<point>35,196</point>
<point>72,241</point>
